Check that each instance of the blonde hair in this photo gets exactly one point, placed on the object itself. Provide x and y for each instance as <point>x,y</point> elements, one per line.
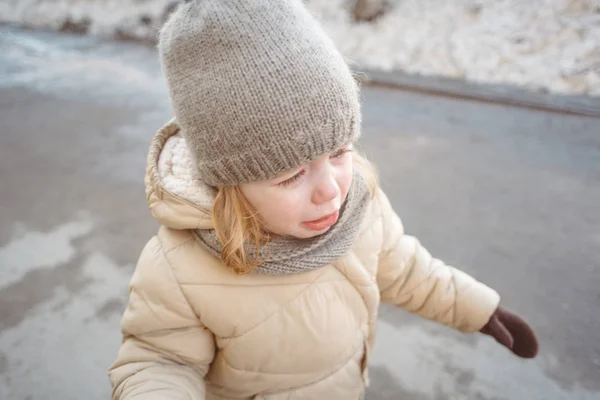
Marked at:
<point>236,222</point>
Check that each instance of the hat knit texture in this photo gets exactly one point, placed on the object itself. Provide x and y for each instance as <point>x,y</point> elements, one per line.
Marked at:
<point>257,87</point>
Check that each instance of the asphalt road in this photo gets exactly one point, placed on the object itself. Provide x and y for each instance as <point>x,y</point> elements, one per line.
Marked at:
<point>511,196</point>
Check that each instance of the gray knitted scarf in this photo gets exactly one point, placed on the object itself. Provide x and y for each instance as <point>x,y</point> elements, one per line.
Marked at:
<point>288,255</point>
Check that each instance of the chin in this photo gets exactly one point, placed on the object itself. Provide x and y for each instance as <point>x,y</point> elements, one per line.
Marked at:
<point>307,233</point>
<point>300,233</point>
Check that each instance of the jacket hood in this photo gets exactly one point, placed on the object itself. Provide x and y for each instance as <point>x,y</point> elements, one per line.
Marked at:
<point>176,195</point>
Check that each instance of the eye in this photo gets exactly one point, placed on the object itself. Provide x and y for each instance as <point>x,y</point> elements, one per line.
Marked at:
<point>341,152</point>
<point>293,179</point>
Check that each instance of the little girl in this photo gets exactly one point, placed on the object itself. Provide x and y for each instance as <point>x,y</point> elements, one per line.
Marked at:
<point>276,246</point>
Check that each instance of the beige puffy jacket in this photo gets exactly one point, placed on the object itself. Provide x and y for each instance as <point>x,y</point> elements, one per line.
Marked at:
<point>193,330</point>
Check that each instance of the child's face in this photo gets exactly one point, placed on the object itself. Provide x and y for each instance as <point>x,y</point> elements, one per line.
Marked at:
<point>304,202</point>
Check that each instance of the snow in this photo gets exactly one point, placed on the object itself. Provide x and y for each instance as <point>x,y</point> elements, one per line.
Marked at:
<point>543,44</point>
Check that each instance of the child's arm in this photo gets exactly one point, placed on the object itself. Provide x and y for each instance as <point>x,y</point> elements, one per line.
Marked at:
<point>409,277</point>
<point>166,351</point>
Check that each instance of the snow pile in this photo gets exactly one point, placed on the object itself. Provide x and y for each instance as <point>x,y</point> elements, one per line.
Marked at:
<point>550,44</point>
<point>546,44</point>
<point>123,19</point>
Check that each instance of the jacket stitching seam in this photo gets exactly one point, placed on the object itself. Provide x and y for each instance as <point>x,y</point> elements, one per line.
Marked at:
<point>324,376</point>
<point>166,255</point>
<point>167,252</point>
<point>279,309</point>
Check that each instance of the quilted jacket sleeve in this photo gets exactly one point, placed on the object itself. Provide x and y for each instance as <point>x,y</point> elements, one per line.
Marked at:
<point>166,352</point>
<point>410,278</point>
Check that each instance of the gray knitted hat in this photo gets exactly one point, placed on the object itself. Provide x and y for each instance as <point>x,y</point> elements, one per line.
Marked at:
<point>257,87</point>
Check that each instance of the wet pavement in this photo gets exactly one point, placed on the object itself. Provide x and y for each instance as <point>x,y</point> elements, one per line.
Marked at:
<point>511,196</point>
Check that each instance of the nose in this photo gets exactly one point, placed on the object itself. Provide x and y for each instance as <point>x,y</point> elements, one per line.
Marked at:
<point>326,190</point>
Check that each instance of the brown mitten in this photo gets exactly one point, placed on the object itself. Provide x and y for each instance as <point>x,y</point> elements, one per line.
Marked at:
<point>512,332</point>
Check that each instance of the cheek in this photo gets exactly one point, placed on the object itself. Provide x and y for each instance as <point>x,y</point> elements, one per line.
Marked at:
<point>344,179</point>
<point>282,210</point>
